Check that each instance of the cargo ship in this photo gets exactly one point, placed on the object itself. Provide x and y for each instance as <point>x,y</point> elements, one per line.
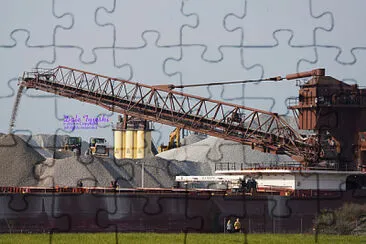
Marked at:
<point>329,147</point>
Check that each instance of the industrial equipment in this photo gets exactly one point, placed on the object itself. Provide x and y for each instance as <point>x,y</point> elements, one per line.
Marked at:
<point>73,144</point>
<point>132,138</point>
<point>236,183</point>
<point>174,141</point>
<point>331,151</point>
<point>325,107</point>
<point>98,147</point>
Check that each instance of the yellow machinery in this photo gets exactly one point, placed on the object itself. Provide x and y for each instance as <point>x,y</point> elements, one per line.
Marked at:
<point>98,147</point>
<point>174,141</point>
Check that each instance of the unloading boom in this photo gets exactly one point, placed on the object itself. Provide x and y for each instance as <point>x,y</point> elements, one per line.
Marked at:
<point>262,130</point>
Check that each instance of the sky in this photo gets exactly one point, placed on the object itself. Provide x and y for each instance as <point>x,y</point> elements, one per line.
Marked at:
<point>174,42</point>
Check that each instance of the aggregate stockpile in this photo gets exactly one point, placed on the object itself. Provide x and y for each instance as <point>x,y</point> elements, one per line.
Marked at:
<point>21,164</point>
<point>208,151</point>
<point>17,162</point>
<point>212,150</point>
<point>40,163</point>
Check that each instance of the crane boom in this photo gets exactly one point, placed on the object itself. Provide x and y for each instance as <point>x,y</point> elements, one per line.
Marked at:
<point>262,130</point>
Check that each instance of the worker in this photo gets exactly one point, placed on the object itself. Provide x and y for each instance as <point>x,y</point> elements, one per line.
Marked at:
<point>80,183</point>
<point>237,225</point>
<point>229,226</point>
<point>116,185</point>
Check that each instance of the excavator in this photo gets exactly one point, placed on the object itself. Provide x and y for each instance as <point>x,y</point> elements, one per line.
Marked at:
<point>322,101</point>
<point>174,141</point>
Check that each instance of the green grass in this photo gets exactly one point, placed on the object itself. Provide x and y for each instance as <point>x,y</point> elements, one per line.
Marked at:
<point>100,238</point>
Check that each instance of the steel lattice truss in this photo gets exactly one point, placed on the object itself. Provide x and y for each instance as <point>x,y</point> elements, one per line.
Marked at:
<point>262,130</point>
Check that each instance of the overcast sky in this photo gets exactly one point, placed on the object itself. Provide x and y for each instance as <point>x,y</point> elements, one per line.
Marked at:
<point>175,42</point>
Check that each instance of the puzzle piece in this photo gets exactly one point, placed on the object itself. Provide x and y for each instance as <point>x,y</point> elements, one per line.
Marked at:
<point>230,68</point>
<point>255,214</point>
<point>136,212</point>
<point>31,213</point>
<point>84,26</point>
<point>105,64</point>
<point>260,19</point>
<point>30,17</point>
<point>150,69</point>
<point>210,31</point>
<point>152,17</point>
<point>12,68</point>
<point>352,74</point>
<point>348,19</point>
<point>282,56</point>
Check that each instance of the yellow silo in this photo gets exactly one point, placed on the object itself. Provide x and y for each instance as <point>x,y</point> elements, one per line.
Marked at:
<point>134,143</point>
<point>129,149</point>
<point>147,144</point>
<point>132,138</point>
<point>124,144</point>
<point>118,144</point>
<point>140,144</point>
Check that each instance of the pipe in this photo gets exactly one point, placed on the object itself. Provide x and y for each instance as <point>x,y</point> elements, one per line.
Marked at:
<point>314,72</point>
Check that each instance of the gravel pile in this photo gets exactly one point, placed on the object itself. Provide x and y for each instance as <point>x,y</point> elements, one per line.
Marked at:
<point>17,162</point>
<point>68,171</point>
<point>22,165</point>
<point>158,172</point>
<point>95,171</point>
<point>49,145</point>
<point>212,151</point>
<point>44,144</point>
<point>192,138</point>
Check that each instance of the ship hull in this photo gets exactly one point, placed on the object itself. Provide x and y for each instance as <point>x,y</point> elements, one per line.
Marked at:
<point>163,211</point>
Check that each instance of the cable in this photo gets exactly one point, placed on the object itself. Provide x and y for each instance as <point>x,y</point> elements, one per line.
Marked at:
<point>278,78</point>
<point>315,72</point>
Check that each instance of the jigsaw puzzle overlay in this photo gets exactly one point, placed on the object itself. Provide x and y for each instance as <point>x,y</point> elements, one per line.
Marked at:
<point>177,42</point>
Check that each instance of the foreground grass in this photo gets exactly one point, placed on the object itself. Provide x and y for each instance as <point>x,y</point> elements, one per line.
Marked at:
<point>176,238</point>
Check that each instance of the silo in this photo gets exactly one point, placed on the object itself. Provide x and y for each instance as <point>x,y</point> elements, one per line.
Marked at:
<point>129,149</point>
<point>132,138</point>
<point>118,144</point>
<point>147,146</point>
<point>140,144</point>
<point>123,144</point>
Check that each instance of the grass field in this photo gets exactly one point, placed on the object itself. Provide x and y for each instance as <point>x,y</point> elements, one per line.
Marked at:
<point>176,238</point>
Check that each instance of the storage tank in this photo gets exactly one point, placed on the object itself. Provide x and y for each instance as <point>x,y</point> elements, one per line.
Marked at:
<point>132,138</point>
<point>140,144</point>
<point>147,146</point>
<point>118,144</point>
<point>123,144</point>
<point>129,153</point>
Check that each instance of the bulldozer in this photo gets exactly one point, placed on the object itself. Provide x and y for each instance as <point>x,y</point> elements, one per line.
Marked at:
<point>98,147</point>
<point>174,141</point>
<point>73,144</point>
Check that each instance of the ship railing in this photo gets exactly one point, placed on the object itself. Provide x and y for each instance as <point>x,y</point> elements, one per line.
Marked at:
<point>225,166</point>
<point>263,165</point>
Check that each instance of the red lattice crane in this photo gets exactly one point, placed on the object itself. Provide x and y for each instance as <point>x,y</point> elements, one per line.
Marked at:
<point>262,130</point>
